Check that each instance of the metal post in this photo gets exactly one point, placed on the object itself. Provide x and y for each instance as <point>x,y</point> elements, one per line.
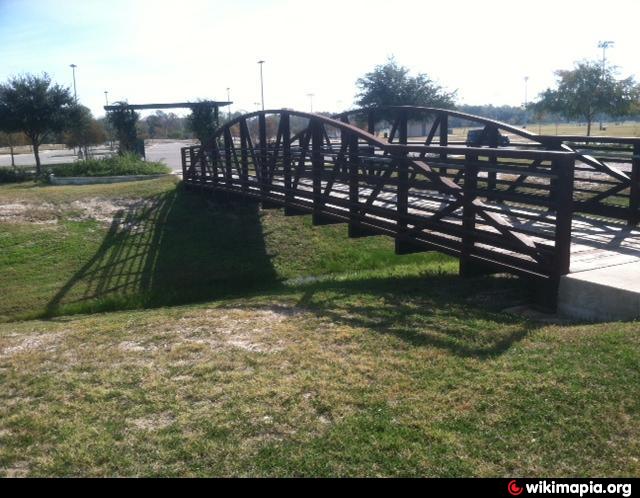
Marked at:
<point>604,45</point>
<point>547,291</point>
<point>402,128</point>
<point>285,124</point>
<point>354,194</point>
<point>75,93</point>
<point>261,84</point>
<point>244,155</point>
<point>526,100</point>
<point>444,138</point>
<point>228,164</point>
<point>634,191</point>
<point>468,214</point>
<point>402,194</point>
<point>317,165</point>
<point>264,173</point>
<point>183,156</point>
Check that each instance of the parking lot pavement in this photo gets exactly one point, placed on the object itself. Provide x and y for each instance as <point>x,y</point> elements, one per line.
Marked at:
<point>167,153</point>
<point>46,157</point>
<point>164,152</point>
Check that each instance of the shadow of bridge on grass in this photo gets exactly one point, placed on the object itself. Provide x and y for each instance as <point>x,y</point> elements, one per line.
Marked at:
<point>462,316</point>
<point>173,248</point>
<point>180,248</point>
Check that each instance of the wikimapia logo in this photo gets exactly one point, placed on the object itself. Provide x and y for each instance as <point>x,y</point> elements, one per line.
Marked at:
<point>580,489</point>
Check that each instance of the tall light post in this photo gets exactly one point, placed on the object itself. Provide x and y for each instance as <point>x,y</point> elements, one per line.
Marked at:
<point>108,126</point>
<point>75,93</point>
<point>310,95</point>
<point>261,84</point>
<point>526,99</point>
<point>229,100</point>
<point>604,45</point>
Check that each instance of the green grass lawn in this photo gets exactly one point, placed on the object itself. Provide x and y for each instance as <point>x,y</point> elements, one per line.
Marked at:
<point>239,364</point>
<point>96,248</point>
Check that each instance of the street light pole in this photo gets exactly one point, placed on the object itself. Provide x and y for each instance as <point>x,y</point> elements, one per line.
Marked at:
<point>261,84</point>
<point>229,100</point>
<point>75,93</point>
<point>108,126</point>
<point>604,45</point>
<point>526,99</point>
<point>310,95</point>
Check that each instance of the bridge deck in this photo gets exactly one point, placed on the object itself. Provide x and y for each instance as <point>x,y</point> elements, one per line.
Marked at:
<point>595,243</point>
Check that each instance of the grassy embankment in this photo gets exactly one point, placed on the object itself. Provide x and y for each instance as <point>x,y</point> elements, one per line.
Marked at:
<point>385,365</point>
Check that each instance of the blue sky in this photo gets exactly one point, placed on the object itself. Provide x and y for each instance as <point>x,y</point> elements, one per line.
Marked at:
<point>161,51</point>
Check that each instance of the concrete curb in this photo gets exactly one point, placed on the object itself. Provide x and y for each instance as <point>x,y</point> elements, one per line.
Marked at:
<point>90,180</point>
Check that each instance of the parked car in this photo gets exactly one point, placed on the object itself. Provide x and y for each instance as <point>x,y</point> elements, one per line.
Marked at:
<point>477,137</point>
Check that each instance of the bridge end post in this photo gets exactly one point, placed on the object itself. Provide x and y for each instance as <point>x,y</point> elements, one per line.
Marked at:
<point>183,157</point>
<point>402,199</point>
<point>468,267</point>
<point>634,192</point>
<point>444,138</point>
<point>547,292</point>
<point>317,172</point>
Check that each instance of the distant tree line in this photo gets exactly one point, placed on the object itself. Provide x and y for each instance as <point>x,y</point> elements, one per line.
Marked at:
<point>582,93</point>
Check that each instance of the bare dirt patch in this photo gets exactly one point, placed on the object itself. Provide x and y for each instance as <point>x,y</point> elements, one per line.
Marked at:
<point>95,208</point>
<point>40,342</point>
<point>247,329</point>
<point>19,469</point>
<point>16,212</point>
<point>153,422</point>
<point>105,210</point>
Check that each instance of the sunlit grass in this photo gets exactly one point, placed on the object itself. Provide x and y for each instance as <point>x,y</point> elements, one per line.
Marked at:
<point>270,347</point>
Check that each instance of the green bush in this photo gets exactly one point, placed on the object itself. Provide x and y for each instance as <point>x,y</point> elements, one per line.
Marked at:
<point>126,164</point>
<point>15,175</point>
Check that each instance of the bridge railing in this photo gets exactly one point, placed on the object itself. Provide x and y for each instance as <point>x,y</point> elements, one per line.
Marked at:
<point>607,177</point>
<point>497,209</point>
<point>607,173</point>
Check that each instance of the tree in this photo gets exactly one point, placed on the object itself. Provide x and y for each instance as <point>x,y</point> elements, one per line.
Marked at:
<point>587,90</point>
<point>124,122</point>
<point>202,121</point>
<point>84,130</point>
<point>390,84</point>
<point>12,140</point>
<point>37,107</point>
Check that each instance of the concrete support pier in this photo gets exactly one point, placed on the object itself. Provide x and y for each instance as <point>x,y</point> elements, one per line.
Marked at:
<point>604,294</point>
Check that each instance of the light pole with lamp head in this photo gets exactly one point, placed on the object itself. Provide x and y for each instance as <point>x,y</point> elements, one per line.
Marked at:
<point>526,99</point>
<point>604,45</point>
<point>75,93</point>
<point>310,95</point>
<point>261,84</point>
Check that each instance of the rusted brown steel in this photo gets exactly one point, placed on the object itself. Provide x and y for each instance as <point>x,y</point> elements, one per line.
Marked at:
<point>602,186</point>
<point>470,202</point>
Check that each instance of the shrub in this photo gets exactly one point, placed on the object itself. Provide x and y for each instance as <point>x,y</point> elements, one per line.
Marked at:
<point>15,175</point>
<point>121,165</point>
